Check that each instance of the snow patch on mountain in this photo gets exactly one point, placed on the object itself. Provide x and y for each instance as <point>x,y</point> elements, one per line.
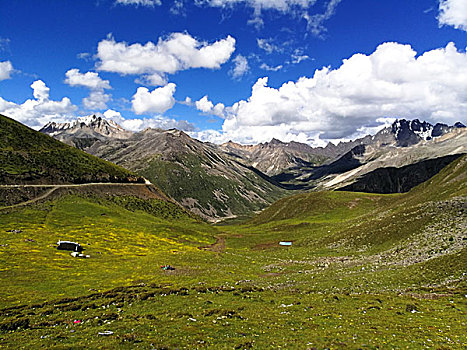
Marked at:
<point>410,132</point>
<point>90,123</point>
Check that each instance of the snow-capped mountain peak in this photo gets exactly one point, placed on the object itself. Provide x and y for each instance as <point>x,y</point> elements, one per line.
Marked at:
<point>87,128</point>
<point>88,120</point>
<point>410,132</point>
<point>95,121</point>
<point>101,125</point>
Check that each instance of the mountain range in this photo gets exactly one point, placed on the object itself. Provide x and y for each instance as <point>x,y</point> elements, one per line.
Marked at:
<point>319,255</point>
<point>227,180</point>
<point>401,144</point>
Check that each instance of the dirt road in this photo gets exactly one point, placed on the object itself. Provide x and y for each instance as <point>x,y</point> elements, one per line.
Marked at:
<point>53,188</point>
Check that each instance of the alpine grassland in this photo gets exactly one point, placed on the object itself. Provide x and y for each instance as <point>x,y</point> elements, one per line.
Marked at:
<point>186,178</point>
<point>363,271</point>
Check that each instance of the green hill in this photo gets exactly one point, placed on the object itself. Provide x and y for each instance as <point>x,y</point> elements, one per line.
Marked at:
<point>422,231</point>
<point>198,175</point>
<point>449,183</point>
<point>27,157</point>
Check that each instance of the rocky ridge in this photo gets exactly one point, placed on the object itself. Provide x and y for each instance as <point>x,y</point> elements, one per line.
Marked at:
<point>83,132</point>
<point>275,156</point>
<point>411,132</point>
<point>390,161</point>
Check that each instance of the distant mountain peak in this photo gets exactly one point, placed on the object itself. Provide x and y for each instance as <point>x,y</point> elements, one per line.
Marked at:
<point>275,141</point>
<point>83,131</point>
<point>89,124</point>
<point>88,120</point>
<point>101,125</point>
<point>97,121</point>
<point>410,132</point>
<point>176,132</point>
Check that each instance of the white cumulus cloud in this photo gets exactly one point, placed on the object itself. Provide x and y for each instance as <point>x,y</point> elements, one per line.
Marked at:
<point>40,90</point>
<point>209,135</point>
<point>6,68</point>
<point>362,93</point>
<point>157,122</point>
<point>90,80</point>
<point>206,106</point>
<point>97,98</point>
<point>114,115</point>
<point>453,13</point>
<point>179,51</point>
<point>157,101</point>
<point>40,110</point>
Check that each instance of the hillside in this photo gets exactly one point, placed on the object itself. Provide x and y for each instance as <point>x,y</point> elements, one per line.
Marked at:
<point>196,174</point>
<point>427,223</point>
<point>399,180</point>
<point>402,145</point>
<point>30,157</point>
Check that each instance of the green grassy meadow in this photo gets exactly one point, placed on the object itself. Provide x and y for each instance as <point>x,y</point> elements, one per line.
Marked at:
<point>185,176</point>
<point>364,271</point>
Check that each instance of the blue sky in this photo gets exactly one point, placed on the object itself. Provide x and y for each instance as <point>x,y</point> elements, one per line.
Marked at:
<point>246,70</point>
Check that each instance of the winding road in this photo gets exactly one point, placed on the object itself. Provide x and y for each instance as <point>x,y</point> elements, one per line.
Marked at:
<point>53,188</point>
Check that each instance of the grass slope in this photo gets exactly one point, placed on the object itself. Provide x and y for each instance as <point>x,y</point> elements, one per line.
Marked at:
<point>27,156</point>
<point>198,175</point>
<point>128,239</point>
<point>215,195</point>
<point>364,271</point>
